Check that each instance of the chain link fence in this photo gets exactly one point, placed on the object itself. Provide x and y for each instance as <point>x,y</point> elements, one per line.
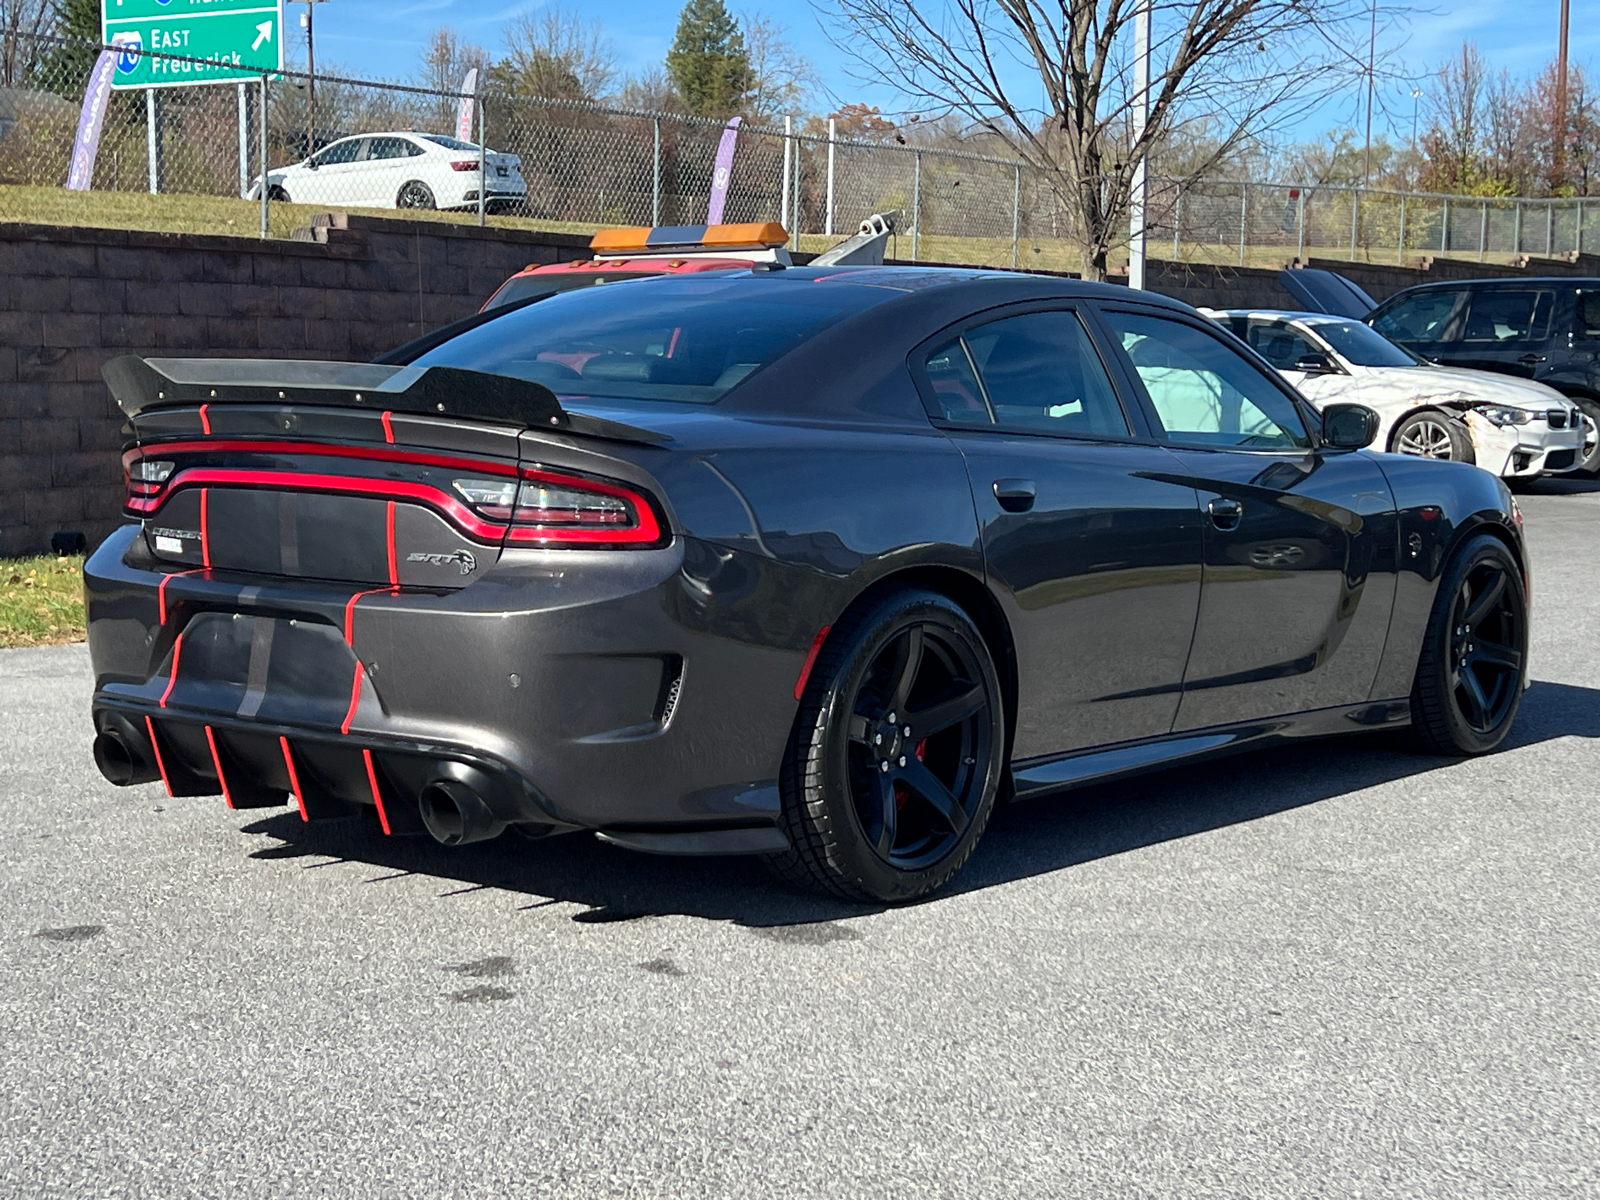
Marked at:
<point>190,159</point>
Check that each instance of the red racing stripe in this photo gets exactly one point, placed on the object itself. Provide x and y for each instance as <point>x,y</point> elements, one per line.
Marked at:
<point>156,746</point>
<point>177,648</point>
<point>294,778</point>
<point>355,699</point>
<point>394,567</point>
<point>205,531</point>
<point>811,661</point>
<point>205,421</point>
<point>216,761</point>
<point>388,429</point>
<point>377,794</point>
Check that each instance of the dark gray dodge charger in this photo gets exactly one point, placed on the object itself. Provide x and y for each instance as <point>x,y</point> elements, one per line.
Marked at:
<point>817,564</point>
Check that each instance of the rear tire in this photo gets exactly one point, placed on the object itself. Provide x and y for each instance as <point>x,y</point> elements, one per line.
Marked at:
<point>1434,435</point>
<point>278,196</point>
<point>1474,660</point>
<point>874,812</point>
<point>415,194</point>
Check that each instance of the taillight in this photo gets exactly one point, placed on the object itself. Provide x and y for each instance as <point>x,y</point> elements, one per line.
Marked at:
<point>146,477</point>
<point>556,510</point>
<point>464,165</point>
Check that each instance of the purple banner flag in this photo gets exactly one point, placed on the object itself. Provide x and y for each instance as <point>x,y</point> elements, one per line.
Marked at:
<point>80,176</point>
<point>469,89</point>
<point>722,173</point>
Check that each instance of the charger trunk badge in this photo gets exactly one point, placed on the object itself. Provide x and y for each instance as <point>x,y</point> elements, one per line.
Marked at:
<point>468,561</point>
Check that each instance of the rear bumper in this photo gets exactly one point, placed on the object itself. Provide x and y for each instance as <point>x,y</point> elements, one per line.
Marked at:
<point>606,690</point>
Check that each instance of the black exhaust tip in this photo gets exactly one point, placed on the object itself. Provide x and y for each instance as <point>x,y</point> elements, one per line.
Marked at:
<point>454,809</point>
<point>123,753</point>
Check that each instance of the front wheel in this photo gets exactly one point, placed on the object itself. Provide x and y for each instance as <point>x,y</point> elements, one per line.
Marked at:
<point>1434,435</point>
<point>1473,666</point>
<point>1589,456</point>
<point>896,755</point>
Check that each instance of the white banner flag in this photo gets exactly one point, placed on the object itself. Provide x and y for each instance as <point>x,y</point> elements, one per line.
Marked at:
<point>469,89</point>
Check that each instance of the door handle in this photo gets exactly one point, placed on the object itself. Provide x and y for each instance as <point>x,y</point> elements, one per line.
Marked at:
<point>1015,495</point>
<point>1528,360</point>
<point>1225,514</point>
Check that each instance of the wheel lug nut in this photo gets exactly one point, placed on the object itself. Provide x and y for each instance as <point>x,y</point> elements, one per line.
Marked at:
<point>884,767</point>
<point>902,760</point>
<point>891,718</point>
<point>908,731</point>
<point>878,740</point>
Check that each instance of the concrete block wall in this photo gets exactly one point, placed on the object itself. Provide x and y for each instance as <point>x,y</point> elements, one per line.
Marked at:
<point>70,299</point>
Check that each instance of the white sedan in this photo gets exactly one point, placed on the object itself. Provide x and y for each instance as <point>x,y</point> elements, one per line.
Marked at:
<point>399,170</point>
<point>1515,428</point>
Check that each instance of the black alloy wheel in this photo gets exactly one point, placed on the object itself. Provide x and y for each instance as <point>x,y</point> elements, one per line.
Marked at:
<point>1473,667</point>
<point>896,755</point>
<point>415,195</point>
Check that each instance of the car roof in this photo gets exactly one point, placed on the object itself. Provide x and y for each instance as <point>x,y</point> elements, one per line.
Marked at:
<point>1499,281</point>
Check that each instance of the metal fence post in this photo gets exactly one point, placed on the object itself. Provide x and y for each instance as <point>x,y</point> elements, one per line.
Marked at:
<point>1400,253</point>
<point>1483,232</point>
<point>916,205</point>
<point>799,196</point>
<point>244,143</point>
<point>1300,225</point>
<point>1177,224</point>
<point>1516,230</point>
<point>655,175</point>
<point>827,220</point>
<point>1579,239</point>
<point>1444,229</point>
<point>1016,216</point>
<point>1549,226</point>
<point>1244,214</point>
<point>783,189</point>
<point>262,117</point>
<point>151,137</point>
<point>1355,220</point>
<point>483,162</point>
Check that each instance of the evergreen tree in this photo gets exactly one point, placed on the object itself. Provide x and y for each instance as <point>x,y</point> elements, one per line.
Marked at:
<point>65,69</point>
<point>708,61</point>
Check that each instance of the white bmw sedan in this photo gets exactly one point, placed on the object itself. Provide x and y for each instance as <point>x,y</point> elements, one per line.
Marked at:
<point>1516,428</point>
<point>399,170</point>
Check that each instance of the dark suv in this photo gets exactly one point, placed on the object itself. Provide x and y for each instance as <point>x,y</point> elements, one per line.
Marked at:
<point>1542,329</point>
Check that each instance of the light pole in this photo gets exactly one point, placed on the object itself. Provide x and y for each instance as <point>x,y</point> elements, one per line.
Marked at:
<point>1416,95</point>
<point>307,24</point>
<point>1559,165</point>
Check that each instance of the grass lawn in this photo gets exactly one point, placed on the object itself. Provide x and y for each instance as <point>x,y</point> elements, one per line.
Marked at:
<point>41,601</point>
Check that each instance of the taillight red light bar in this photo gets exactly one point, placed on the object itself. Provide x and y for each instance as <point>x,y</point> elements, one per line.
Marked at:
<point>641,527</point>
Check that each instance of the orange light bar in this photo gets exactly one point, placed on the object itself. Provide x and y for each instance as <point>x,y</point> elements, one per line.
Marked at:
<point>677,237</point>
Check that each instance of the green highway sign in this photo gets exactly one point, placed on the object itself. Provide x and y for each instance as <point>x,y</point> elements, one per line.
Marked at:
<point>233,39</point>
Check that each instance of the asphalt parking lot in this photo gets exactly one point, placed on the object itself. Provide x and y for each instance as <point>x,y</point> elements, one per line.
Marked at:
<point>1331,970</point>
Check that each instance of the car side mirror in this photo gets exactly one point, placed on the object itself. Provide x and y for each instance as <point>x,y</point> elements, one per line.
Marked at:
<point>1315,363</point>
<point>1349,426</point>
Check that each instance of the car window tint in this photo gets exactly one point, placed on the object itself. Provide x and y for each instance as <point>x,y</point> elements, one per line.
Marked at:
<point>1508,316</point>
<point>1589,314</point>
<point>387,147</point>
<point>1041,374</point>
<point>1205,392</point>
<point>1419,318</point>
<point>955,387</point>
<point>1280,345</point>
<point>339,152</point>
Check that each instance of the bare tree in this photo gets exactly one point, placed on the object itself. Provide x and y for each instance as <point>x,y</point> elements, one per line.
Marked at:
<point>555,53</point>
<point>1245,65</point>
<point>782,79</point>
<point>20,22</point>
<point>447,60</point>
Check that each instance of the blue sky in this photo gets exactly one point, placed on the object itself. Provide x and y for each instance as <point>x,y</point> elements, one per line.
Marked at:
<point>383,37</point>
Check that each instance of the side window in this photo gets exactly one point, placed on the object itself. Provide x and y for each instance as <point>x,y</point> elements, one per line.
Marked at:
<point>1588,315</point>
<point>386,147</point>
<point>1042,374</point>
<point>339,152</point>
<point>1280,345</point>
<point>1205,392</point>
<point>1508,316</point>
<point>1420,318</point>
<point>955,387</point>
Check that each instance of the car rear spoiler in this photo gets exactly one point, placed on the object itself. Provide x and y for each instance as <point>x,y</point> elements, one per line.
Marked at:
<point>1327,292</point>
<point>140,385</point>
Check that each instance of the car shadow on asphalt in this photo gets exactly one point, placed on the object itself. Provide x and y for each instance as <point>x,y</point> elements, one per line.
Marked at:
<point>1023,840</point>
<point>1557,485</point>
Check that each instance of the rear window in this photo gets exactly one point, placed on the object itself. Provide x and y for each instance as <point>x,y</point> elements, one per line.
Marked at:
<point>680,338</point>
<point>1508,316</point>
<point>529,287</point>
